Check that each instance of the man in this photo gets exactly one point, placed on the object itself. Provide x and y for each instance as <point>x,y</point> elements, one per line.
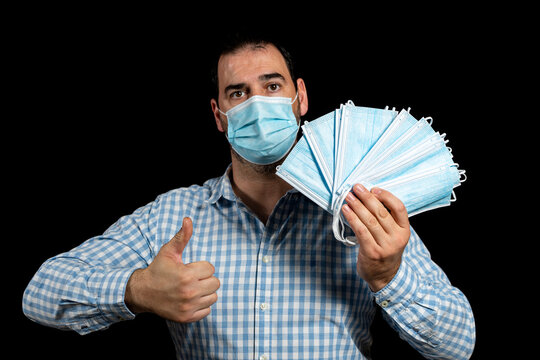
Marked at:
<point>254,271</point>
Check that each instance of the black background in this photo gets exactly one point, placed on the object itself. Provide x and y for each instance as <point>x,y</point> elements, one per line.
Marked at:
<point>109,108</point>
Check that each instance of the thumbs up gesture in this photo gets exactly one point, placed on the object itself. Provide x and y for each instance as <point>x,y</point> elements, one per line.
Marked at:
<point>171,289</point>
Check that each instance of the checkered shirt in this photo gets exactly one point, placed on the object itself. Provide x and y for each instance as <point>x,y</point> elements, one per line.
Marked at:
<point>289,290</point>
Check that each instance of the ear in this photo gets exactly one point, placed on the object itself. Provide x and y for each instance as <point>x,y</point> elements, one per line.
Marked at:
<point>215,111</point>
<point>302,96</point>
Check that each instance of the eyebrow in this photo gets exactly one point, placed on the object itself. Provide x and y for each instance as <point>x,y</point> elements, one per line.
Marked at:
<point>266,77</point>
<point>263,77</point>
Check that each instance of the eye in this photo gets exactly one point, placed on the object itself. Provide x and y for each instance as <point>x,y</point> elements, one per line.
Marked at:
<point>236,94</point>
<point>273,87</point>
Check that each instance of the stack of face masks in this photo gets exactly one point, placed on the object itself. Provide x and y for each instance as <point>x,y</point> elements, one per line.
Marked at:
<point>374,147</point>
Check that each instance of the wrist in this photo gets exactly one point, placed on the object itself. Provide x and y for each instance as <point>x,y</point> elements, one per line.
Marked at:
<point>400,290</point>
<point>133,297</point>
<point>378,281</point>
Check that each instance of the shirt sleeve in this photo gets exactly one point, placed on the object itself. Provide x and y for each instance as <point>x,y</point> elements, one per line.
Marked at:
<point>428,312</point>
<point>83,289</point>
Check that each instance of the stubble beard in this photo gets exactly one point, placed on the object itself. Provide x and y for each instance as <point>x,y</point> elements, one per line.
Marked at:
<point>265,170</point>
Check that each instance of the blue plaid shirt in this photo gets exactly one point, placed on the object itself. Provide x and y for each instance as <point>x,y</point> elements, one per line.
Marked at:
<point>289,290</point>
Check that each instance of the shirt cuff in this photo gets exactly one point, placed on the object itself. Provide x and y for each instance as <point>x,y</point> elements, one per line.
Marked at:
<point>400,291</point>
<point>111,289</point>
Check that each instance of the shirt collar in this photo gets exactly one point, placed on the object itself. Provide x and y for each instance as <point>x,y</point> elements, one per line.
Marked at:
<point>223,188</point>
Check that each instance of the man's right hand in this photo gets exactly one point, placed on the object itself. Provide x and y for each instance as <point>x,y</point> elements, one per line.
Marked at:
<point>171,289</point>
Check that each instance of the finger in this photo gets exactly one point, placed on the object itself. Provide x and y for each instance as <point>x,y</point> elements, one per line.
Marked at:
<point>374,205</point>
<point>203,269</point>
<point>366,217</point>
<point>199,314</point>
<point>363,235</point>
<point>207,301</point>
<point>202,308</point>
<point>179,241</point>
<point>396,206</point>
<point>209,286</point>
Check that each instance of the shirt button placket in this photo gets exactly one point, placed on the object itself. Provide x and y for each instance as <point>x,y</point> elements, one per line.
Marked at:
<point>264,289</point>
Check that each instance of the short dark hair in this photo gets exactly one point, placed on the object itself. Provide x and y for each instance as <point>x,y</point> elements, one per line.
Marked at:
<point>235,42</point>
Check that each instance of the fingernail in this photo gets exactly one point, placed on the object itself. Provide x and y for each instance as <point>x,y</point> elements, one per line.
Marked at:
<point>346,208</point>
<point>349,198</point>
<point>376,191</point>
<point>360,188</point>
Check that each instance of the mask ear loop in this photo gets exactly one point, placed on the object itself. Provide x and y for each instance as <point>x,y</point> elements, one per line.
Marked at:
<point>462,174</point>
<point>338,224</point>
<point>296,97</point>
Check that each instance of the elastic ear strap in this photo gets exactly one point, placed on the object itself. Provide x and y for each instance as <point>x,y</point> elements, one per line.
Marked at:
<point>338,225</point>
<point>462,174</point>
<point>292,102</point>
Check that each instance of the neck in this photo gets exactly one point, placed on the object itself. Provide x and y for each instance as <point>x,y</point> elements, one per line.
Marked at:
<point>259,191</point>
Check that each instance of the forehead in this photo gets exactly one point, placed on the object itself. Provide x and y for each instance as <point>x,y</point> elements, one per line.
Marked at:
<point>246,64</point>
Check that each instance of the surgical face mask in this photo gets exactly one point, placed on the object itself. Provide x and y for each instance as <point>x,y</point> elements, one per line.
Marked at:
<point>301,170</point>
<point>262,129</point>
<point>374,147</point>
<point>359,128</point>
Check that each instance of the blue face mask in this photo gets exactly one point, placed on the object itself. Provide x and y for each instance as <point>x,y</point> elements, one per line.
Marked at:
<point>262,129</point>
<point>375,147</point>
<point>302,171</point>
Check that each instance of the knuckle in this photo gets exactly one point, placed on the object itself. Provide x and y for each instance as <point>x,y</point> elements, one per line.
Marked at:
<point>184,308</point>
<point>186,277</point>
<point>359,229</point>
<point>374,255</point>
<point>188,294</point>
<point>382,213</point>
<point>372,221</point>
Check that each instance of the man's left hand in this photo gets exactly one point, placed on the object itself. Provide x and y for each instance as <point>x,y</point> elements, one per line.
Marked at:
<point>381,225</point>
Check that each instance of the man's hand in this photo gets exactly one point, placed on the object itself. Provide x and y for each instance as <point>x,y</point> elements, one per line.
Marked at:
<point>171,289</point>
<point>382,231</point>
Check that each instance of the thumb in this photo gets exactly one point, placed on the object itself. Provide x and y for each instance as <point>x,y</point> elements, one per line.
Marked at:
<point>179,241</point>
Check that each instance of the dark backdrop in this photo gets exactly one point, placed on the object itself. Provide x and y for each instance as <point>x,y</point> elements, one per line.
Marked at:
<point>112,109</point>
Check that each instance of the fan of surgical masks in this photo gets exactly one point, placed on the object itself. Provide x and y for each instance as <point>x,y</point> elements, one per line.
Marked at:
<point>377,148</point>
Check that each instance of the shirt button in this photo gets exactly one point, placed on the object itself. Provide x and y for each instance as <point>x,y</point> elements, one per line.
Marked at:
<point>263,357</point>
<point>266,259</point>
<point>384,303</point>
<point>264,306</point>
